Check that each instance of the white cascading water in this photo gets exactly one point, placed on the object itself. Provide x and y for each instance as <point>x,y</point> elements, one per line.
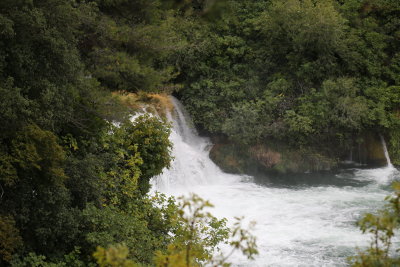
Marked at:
<point>296,225</point>
<point>389,163</point>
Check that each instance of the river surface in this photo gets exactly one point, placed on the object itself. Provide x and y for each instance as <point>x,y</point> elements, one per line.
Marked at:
<point>306,220</point>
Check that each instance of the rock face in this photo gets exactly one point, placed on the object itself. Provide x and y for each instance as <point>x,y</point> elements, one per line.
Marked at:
<point>227,158</point>
<point>369,151</point>
<point>263,159</point>
<point>265,156</point>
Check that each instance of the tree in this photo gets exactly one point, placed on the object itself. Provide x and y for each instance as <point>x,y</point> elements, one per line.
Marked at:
<point>198,234</point>
<point>152,138</point>
<point>301,39</point>
<point>194,238</point>
<point>10,240</point>
<point>382,227</point>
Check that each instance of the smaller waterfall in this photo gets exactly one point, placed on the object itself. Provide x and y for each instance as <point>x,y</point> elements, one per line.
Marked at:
<point>389,163</point>
<point>384,175</point>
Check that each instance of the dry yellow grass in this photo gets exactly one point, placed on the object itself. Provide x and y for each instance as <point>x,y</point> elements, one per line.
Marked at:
<point>161,103</point>
<point>128,99</point>
<point>158,103</point>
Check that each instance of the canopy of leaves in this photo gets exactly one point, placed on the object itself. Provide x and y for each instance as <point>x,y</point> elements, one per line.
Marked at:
<point>61,158</point>
<point>301,73</point>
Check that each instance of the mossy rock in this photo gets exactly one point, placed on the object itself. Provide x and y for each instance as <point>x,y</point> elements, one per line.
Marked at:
<point>305,160</point>
<point>227,158</point>
<point>393,144</point>
<point>263,160</point>
<point>369,150</point>
<point>375,151</point>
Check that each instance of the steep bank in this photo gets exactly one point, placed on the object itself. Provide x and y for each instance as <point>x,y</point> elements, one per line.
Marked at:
<point>264,159</point>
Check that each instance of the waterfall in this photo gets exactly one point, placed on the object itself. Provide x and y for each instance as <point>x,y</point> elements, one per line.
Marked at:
<point>191,165</point>
<point>311,224</point>
<point>389,163</point>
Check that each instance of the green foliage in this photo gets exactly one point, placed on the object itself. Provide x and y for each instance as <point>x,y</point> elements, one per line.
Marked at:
<point>10,240</point>
<point>109,225</point>
<point>35,194</point>
<point>14,107</point>
<point>194,235</point>
<point>151,136</point>
<point>37,152</point>
<point>197,235</point>
<point>34,260</point>
<point>257,66</point>
<point>245,116</point>
<point>298,125</point>
<point>301,38</point>
<point>240,240</point>
<point>114,256</point>
<point>59,60</point>
<point>122,171</point>
<point>126,43</point>
<point>394,147</point>
<point>303,73</point>
<point>336,110</point>
<point>143,225</point>
<point>382,227</point>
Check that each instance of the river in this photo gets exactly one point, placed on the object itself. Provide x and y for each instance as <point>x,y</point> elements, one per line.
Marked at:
<point>304,220</point>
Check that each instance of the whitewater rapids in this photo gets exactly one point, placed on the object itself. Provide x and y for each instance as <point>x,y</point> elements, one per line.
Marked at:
<point>303,224</point>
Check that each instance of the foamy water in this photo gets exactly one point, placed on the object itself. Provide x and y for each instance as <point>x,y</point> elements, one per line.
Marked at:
<point>296,225</point>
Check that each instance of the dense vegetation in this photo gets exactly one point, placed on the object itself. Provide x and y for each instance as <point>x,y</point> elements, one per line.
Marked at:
<point>306,74</point>
<point>70,180</point>
<point>298,72</point>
